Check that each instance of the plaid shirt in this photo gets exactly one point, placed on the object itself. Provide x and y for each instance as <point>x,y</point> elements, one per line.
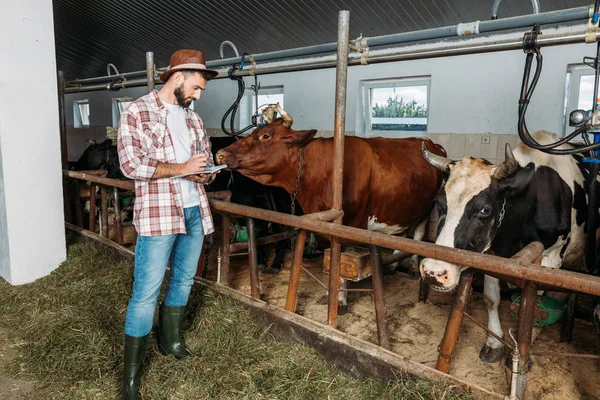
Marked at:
<point>144,141</point>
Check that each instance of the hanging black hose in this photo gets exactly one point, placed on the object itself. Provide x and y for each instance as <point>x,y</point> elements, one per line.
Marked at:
<point>234,107</point>
<point>530,47</point>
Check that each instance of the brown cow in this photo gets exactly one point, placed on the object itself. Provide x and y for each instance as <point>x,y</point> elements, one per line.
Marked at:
<point>388,186</point>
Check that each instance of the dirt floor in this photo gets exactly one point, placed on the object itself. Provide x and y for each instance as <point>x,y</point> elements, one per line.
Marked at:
<point>416,330</point>
<point>11,388</point>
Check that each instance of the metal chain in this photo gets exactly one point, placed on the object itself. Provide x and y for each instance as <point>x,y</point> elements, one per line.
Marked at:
<point>502,212</point>
<point>295,193</point>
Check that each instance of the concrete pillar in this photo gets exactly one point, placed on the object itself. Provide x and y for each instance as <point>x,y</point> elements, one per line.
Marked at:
<point>32,237</point>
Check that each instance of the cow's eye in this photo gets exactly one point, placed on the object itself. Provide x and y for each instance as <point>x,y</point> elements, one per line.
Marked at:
<point>265,137</point>
<point>485,211</point>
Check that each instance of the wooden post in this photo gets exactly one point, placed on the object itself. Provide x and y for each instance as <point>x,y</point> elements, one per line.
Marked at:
<point>104,210</point>
<point>225,221</point>
<point>92,219</point>
<point>383,335</point>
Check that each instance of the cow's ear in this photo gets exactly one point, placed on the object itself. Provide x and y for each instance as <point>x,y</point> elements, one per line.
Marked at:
<point>301,138</point>
<point>518,181</point>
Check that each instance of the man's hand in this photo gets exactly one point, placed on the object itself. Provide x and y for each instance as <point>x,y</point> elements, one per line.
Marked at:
<point>201,178</point>
<point>196,163</point>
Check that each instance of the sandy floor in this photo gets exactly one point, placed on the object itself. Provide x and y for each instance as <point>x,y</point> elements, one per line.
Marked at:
<point>416,330</point>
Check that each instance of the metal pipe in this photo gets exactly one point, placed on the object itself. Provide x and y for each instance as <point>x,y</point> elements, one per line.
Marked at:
<point>117,217</point>
<point>150,72</point>
<point>383,335</point>
<point>553,17</point>
<point>408,53</point>
<point>454,321</point>
<point>277,237</point>
<point>567,280</point>
<point>253,259</point>
<point>525,333</point>
<point>224,255</point>
<point>405,53</point>
<point>127,185</point>
<point>290,302</point>
<point>496,5</point>
<point>566,332</point>
<point>561,279</point>
<point>341,79</point>
<point>104,211</point>
<point>92,218</point>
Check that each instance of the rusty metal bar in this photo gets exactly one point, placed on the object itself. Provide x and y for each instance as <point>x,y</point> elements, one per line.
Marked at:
<point>317,279</point>
<point>383,335</point>
<point>565,355</point>
<point>121,184</point>
<point>507,344</point>
<point>423,290</point>
<point>525,333</point>
<point>454,321</point>
<point>290,303</point>
<point>392,258</point>
<point>104,210</point>
<point>328,215</point>
<point>253,259</point>
<point>337,180</point>
<point>76,201</point>
<point>92,218</point>
<point>566,280</point>
<point>566,332</point>
<point>225,222</point>
<point>150,71</point>
<point>277,237</point>
<point>117,217</point>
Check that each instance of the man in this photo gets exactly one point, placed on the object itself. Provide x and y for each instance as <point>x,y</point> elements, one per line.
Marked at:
<point>159,140</point>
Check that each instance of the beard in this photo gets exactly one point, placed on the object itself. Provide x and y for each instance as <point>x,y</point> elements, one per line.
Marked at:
<point>181,99</point>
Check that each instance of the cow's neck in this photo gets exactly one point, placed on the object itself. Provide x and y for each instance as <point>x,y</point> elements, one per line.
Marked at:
<point>313,193</point>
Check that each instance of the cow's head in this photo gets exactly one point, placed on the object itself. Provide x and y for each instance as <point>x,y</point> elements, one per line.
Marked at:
<point>471,208</point>
<point>269,152</point>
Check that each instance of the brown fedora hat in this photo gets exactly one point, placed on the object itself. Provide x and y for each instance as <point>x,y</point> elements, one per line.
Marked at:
<point>188,59</point>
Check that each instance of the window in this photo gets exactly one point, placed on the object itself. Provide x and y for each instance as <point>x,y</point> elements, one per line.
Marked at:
<point>579,91</point>
<point>266,96</point>
<point>81,113</point>
<point>119,104</point>
<point>395,107</point>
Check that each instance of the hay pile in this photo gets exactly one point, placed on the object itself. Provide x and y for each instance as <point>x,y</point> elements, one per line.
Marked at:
<point>70,327</point>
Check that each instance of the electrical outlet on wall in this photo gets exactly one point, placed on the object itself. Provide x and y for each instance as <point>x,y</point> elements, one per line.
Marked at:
<point>485,139</point>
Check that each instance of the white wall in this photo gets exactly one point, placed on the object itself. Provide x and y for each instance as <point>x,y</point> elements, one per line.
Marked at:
<point>32,237</point>
<point>472,94</point>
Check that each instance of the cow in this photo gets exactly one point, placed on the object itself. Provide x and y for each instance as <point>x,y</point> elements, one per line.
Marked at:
<point>251,193</point>
<point>387,186</point>
<point>100,156</point>
<point>531,196</point>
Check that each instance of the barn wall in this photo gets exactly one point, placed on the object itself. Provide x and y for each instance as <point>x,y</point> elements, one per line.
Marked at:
<point>469,96</point>
<point>32,233</point>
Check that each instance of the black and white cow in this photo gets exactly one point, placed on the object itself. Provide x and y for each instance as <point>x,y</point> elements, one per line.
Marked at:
<point>531,196</point>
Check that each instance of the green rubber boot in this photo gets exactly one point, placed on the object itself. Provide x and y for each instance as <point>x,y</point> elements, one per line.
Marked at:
<point>135,352</point>
<point>170,337</point>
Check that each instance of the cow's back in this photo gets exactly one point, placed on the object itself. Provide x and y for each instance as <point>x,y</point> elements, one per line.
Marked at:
<point>388,186</point>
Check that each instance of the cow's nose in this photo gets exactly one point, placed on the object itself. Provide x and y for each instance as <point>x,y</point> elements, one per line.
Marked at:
<point>220,156</point>
<point>433,276</point>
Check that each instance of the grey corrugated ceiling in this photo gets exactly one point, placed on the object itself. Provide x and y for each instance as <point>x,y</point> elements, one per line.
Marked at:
<point>92,33</point>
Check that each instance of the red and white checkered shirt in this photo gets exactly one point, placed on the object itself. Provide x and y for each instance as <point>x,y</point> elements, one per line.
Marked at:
<point>144,141</point>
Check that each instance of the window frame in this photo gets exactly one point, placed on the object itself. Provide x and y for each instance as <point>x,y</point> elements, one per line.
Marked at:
<point>116,108</point>
<point>78,120</point>
<point>364,128</point>
<point>571,94</point>
<point>247,103</point>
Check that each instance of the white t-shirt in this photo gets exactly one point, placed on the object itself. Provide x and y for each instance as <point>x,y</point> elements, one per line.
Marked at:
<point>182,142</point>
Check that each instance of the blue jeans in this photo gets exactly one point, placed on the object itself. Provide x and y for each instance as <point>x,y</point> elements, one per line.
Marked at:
<point>152,253</point>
